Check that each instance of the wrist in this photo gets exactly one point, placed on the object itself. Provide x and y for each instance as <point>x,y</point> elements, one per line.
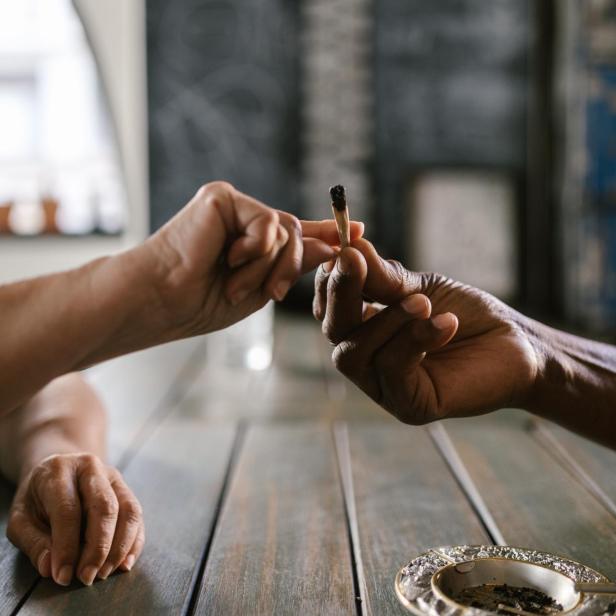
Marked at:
<point>125,305</point>
<point>552,375</point>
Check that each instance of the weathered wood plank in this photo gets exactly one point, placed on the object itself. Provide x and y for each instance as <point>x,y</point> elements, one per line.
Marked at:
<point>178,477</point>
<point>590,463</point>
<point>533,500</point>
<point>17,575</point>
<point>406,501</point>
<point>131,387</point>
<point>293,387</point>
<point>281,546</point>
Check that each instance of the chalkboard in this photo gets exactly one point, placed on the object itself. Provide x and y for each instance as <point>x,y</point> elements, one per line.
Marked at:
<point>222,89</point>
<point>451,79</point>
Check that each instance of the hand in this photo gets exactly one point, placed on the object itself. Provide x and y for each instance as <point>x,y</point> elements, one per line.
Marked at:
<point>66,497</point>
<point>225,255</point>
<point>475,355</point>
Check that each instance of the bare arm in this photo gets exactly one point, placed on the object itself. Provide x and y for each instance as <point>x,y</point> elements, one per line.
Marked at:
<point>53,449</point>
<point>218,260</point>
<point>65,417</point>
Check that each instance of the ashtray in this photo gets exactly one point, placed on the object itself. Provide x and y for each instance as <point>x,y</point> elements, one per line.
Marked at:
<point>476,580</point>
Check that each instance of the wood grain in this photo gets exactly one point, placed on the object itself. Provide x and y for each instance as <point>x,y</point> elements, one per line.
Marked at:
<point>132,388</point>
<point>281,546</point>
<point>293,387</point>
<point>178,477</point>
<point>534,501</point>
<point>406,501</point>
<point>592,464</point>
<point>17,575</point>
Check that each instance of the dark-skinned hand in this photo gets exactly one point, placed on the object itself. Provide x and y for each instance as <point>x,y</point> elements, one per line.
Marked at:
<point>423,346</point>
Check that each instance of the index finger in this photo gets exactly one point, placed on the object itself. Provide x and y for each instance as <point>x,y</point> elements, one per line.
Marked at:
<point>327,231</point>
<point>344,310</point>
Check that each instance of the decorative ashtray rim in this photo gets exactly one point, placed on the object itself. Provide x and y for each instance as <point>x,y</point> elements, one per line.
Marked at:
<point>417,584</point>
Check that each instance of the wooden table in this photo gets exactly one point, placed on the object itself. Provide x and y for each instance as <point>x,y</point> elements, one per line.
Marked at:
<point>289,492</point>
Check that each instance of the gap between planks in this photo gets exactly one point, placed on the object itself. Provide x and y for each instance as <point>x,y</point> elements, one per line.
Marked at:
<point>447,449</point>
<point>563,458</point>
<point>160,411</point>
<point>236,448</point>
<point>343,454</point>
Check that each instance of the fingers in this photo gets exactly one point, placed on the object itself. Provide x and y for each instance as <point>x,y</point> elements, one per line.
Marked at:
<point>315,253</point>
<point>387,282</point>
<point>252,223</point>
<point>135,551</point>
<point>29,537</point>
<point>353,357</point>
<point>326,230</point>
<point>101,507</point>
<point>288,267</point>
<point>319,303</point>
<point>61,500</point>
<point>251,277</point>
<point>344,309</point>
<point>404,390</point>
<point>128,527</point>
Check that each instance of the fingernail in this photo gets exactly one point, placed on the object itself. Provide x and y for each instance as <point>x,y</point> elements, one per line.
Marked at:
<point>129,562</point>
<point>238,297</point>
<point>43,563</point>
<point>65,575</point>
<point>414,304</point>
<point>281,290</point>
<point>88,574</point>
<point>343,264</point>
<point>442,321</point>
<point>105,571</point>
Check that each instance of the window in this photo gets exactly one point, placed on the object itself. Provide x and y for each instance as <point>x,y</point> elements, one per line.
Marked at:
<point>59,168</point>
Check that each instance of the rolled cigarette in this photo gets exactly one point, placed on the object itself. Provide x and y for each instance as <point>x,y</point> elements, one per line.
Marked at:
<point>341,214</point>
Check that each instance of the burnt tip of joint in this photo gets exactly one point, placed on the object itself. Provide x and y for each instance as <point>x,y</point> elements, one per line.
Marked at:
<point>338,195</point>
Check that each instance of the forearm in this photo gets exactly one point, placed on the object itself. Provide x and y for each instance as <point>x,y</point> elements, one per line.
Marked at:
<point>576,386</point>
<point>65,417</point>
<point>57,324</point>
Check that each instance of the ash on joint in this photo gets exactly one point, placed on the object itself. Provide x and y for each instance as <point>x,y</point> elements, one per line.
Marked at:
<point>338,195</point>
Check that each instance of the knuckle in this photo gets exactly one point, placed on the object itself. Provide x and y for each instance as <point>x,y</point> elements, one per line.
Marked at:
<point>68,510</point>
<point>114,474</point>
<point>294,225</point>
<point>14,526</point>
<point>214,189</point>
<point>106,506</point>
<point>271,217</point>
<point>343,357</point>
<point>99,552</point>
<point>329,332</point>
<point>52,465</point>
<point>316,308</point>
<point>89,461</point>
<point>132,511</point>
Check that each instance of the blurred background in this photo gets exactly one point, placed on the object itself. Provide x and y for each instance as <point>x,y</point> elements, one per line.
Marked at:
<point>477,139</point>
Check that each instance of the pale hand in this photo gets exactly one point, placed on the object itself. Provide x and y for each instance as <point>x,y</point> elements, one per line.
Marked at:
<point>225,255</point>
<point>69,496</point>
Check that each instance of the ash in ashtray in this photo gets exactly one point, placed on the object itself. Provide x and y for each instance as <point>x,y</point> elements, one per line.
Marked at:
<point>504,599</point>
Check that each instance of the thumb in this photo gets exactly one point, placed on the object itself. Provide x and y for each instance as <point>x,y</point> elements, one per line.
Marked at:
<point>387,282</point>
<point>25,535</point>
